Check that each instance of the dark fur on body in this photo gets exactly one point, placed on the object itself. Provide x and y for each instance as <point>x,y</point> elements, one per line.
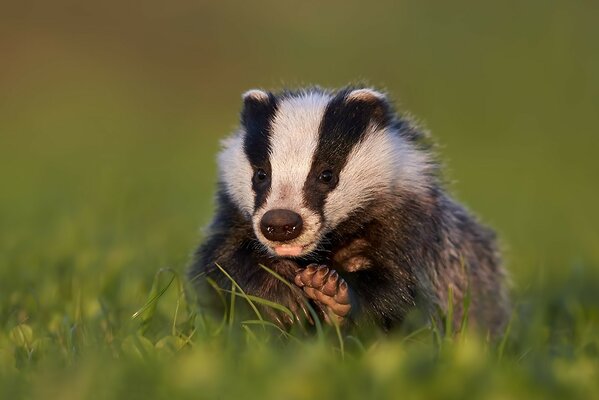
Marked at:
<point>410,247</point>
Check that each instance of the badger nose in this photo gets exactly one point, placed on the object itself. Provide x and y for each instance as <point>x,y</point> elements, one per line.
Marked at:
<point>281,225</point>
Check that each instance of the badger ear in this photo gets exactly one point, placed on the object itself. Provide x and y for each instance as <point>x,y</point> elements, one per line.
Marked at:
<point>366,95</point>
<point>372,102</point>
<point>257,105</point>
<point>255,95</point>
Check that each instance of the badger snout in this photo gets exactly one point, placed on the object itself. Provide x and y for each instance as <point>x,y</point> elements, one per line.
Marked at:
<point>281,225</point>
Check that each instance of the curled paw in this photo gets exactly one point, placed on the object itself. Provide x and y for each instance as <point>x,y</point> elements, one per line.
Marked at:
<point>326,288</point>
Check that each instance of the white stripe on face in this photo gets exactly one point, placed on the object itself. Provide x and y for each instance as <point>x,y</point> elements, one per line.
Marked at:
<point>293,142</point>
<point>236,173</point>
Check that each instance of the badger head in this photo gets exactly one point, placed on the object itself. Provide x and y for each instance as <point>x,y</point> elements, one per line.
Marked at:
<point>303,162</point>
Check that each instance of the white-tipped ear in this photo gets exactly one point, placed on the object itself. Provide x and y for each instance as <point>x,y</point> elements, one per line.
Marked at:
<point>255,95</point>
<point>369,95</point>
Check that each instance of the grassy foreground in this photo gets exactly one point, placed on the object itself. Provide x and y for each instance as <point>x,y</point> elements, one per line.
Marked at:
<point>66,344</point>
<point>84,249</point>
<point>118,335</point>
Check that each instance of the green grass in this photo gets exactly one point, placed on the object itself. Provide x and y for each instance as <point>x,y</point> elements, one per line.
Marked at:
<point>109,124</point>
<point>93,306</point>
<point>76,346</point>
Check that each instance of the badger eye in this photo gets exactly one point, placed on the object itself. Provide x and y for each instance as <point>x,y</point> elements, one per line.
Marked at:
<point>260,175</point>
<point>326,176</point>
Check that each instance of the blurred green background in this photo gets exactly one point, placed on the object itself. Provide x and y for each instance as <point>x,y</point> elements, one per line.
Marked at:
<point>111,114</point>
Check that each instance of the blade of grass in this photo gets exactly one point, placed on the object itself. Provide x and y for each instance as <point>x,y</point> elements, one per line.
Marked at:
<point>272,325</point>
<point>415,333</point>
<point>449,314</point>
<point>250,302</point>
<point>357,341</point>
<point>465,310</point>
<point>146,312</point>
<point>262,302</point>
<point>436,334</point>
<point>250,334</point>
<point>504,339</point>
<point>232,306</point>
<point>339,336</point>
<point>180,296</point>
<point>467,298</point>
<point>220,295</point>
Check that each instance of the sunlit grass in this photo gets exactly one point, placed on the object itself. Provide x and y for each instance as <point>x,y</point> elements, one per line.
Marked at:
<point>170,345</point>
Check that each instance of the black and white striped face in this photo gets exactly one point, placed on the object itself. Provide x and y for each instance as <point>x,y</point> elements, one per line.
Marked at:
<point>304,162</point>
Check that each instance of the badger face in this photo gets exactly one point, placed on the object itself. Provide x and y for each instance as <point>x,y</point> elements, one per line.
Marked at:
<point>304,162</point>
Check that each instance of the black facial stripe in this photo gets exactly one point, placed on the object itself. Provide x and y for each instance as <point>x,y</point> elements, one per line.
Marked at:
<point>256,118</point>
<point>343,126</point>
<point>262,190</point>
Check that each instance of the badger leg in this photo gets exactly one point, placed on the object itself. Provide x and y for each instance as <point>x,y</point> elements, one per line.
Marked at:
<point>327,289</point>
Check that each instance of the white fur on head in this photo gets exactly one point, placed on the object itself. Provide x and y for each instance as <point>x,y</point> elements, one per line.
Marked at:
<point>293,142</point>
<point>236,172</point>
<point>235,169</point>
<point>381,164</point>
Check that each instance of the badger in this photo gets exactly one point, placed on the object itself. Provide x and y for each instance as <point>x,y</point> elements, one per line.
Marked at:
<point>343,197</point>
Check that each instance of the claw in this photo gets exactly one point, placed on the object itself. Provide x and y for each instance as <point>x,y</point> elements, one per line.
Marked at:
<point>305,275</point>
<point>300,304</point>
<point>298,280</point>
<point>342,295</point>
<point>279,322</point>
<point>306,312</point>
<point>319,277</point>
<point>330,287</point>
<point>333,276</point>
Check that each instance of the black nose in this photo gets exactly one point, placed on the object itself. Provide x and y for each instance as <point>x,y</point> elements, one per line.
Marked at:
<point>281,225</point>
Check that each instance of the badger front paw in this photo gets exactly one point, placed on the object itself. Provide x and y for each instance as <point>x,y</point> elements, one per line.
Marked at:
<point>328,290</point>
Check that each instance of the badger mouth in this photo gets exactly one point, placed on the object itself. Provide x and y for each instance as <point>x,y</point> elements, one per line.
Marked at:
<point>288,250</point>
<point>294,239</point>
